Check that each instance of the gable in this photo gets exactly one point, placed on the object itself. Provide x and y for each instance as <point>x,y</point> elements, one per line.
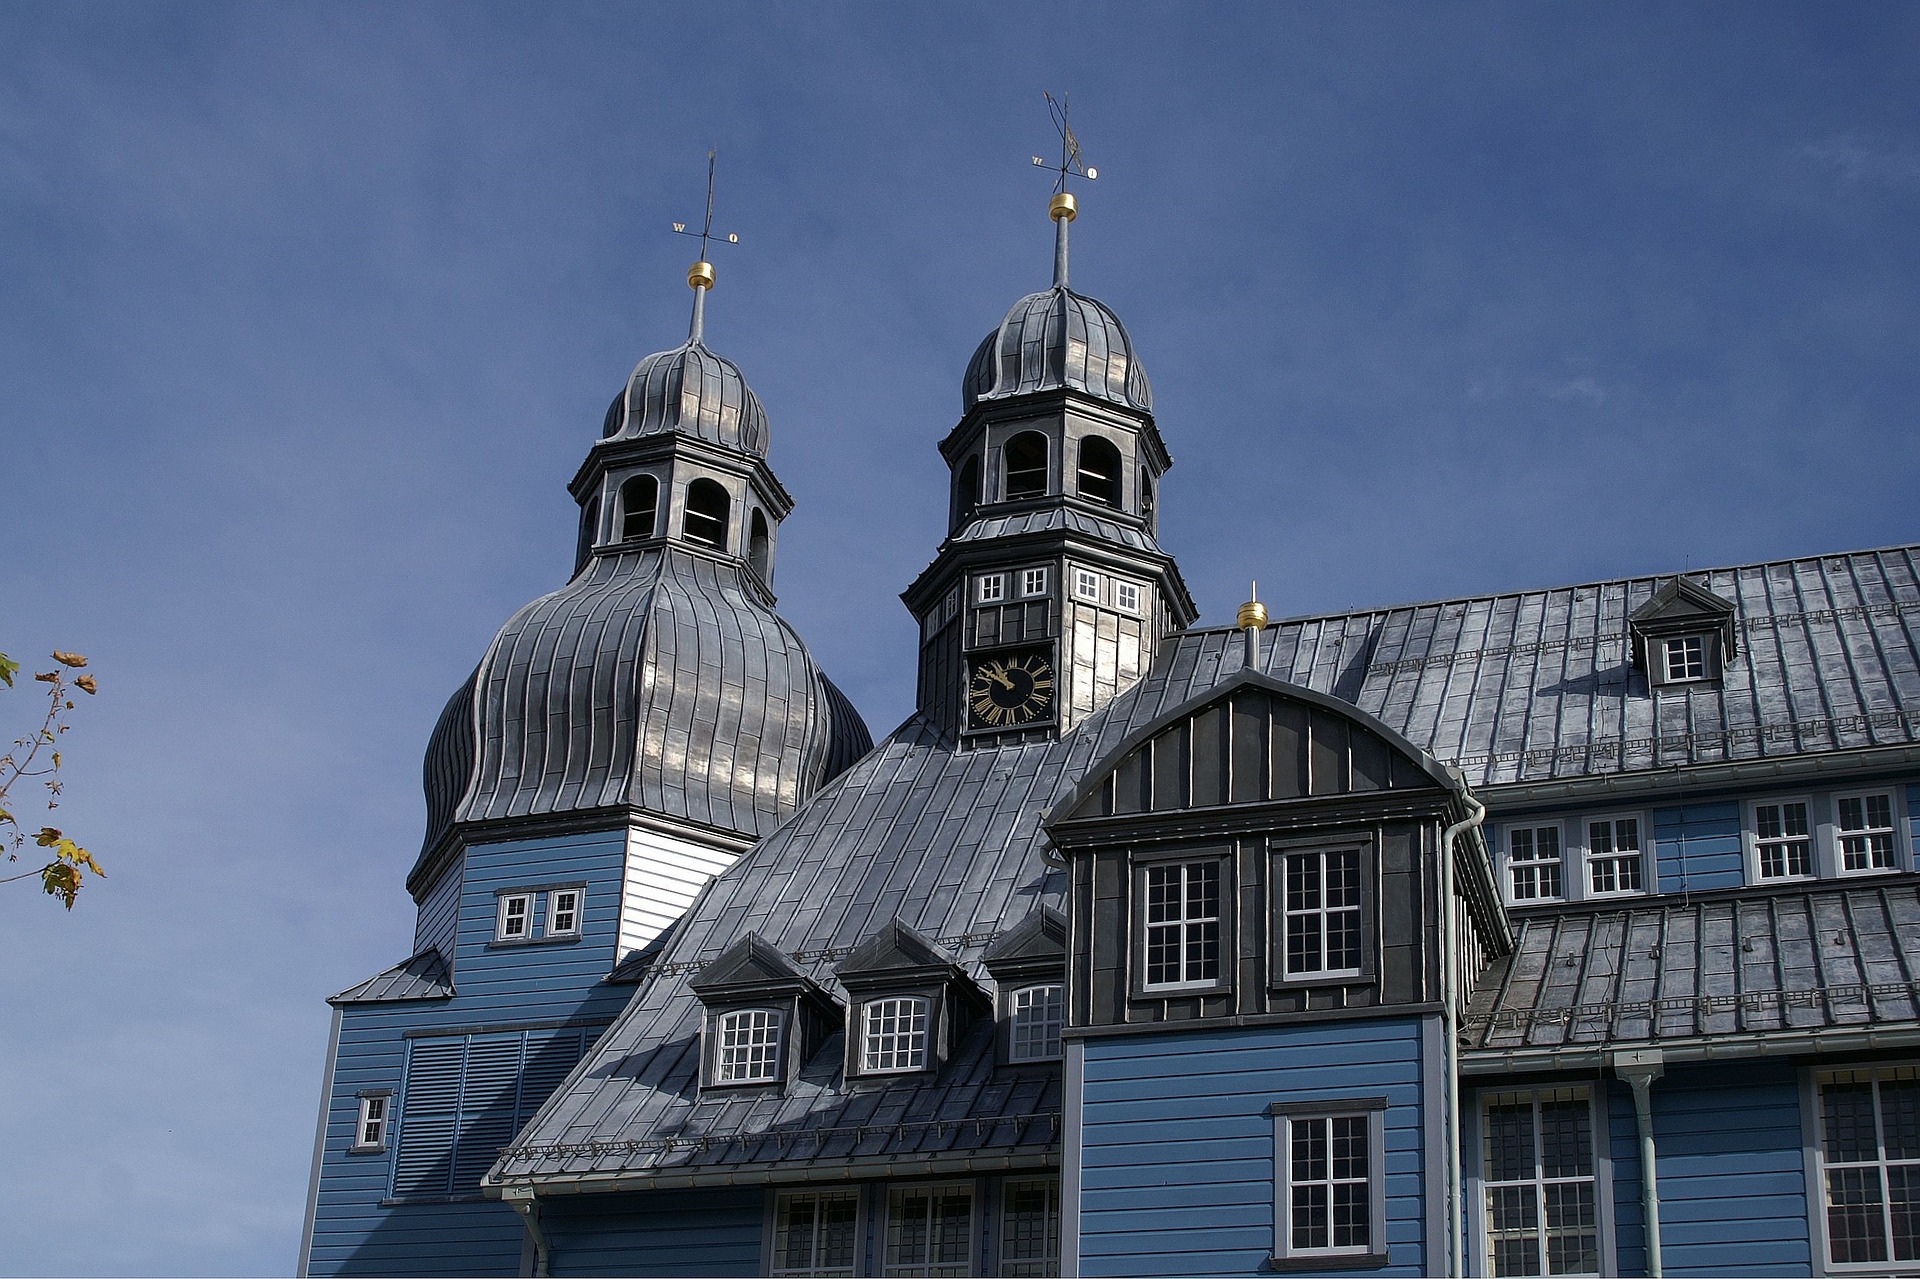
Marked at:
<point>1252,740</point>
<point>752,963</point>
<point>1680,606</point>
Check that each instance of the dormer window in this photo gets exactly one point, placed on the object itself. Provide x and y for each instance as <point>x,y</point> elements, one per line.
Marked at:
<point>639,507</point>
<point>749,1047</point>
<point>1029,964</point>
<point>1026,466</point>
<point>1038,1016</point>
<point>1099,471</point>
<point>893,1036</point>
<point>1685,634</point>
<point>1686,658</point>
<point>706,520</point>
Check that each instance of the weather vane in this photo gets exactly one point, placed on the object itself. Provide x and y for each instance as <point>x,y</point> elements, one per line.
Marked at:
<point>1070,162</point>
<point>700,275</point>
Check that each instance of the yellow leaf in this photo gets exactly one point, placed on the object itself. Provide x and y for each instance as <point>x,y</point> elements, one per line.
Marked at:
<point>85,684</point>
<point>68,659</point>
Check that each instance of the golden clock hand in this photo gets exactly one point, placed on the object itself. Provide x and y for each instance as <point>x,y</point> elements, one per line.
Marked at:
<point>998,674</point>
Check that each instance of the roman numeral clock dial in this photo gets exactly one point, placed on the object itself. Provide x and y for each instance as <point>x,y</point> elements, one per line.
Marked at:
<point>1010,690</point>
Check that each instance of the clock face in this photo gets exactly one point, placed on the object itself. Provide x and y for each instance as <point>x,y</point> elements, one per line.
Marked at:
<point>1009,690</point>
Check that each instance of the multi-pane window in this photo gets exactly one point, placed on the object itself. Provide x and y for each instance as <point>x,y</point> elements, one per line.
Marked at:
<point>1782,844</point>
<point>1030,1227</point>
<point>816,1232</point>
<point>1686,658</point>
<point>1183,924</point>
<point>1328,1198</point>
<point>1126,597</point>
<point>1033,1029</point>
<point>1614,863</point>
<point>953,603</point>
<point>1033,581</point>
<point>747,1047</point>
<point>516,914</point>
<point>1533,863</point>
<point>893,1035</point>
<point>929,1230</point>
<point>563,912</point>
<point>370,1129</point>
<point>1086,585</point>
<point>1542,1196</point>
<point>1870,1164</point>
<point>993,588</point>
<point>1322,913</point>
<point>1865,831</point>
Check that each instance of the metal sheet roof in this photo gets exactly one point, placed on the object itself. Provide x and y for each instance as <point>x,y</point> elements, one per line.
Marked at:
<point>424,976</point>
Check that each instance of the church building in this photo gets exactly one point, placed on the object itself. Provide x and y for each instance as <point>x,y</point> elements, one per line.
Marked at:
<point>1560,932</point>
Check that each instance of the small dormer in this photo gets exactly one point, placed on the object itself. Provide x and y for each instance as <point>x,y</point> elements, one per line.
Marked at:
<point>1028,965</point>
<point>908,1004</point>
<point>1684,635</point>
<point>764,1017</point>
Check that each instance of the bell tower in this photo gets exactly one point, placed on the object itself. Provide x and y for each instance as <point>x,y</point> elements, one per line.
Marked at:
<point>1050,593</point>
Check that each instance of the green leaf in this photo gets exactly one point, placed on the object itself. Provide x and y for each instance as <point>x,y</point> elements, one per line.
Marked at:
<point>7,668</point>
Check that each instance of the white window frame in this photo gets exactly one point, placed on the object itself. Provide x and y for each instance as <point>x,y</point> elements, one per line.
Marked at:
<point>1040,1011</point>
<point>553,926</point>
<point>881,1042</point>
<point>1896,816</point>
<point>504,913</point>
<point>758,1035</point>
<point>953,604</point>
<point>1601,1175</point>
<point>1588,857</point>
<point>776,1233</point>
<point>1753,841</point>
<point>376,1111</point>
<point>1323,1115</point>
<point>1126,596</point>
<point>991,588</point>
<point>1086,585</point>
<point>1182,923</point>
<point>1049,1262</point>
<point>1033,581</point>
<point>1818,1167</point>
<point>926,1265</point>
<point>1698,640</point>
<point>1319,911</point>
<point>1508,861</point>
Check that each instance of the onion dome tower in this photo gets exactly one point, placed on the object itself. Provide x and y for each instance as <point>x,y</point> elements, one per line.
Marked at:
<point>1051,593</point>
<point>658,689</point>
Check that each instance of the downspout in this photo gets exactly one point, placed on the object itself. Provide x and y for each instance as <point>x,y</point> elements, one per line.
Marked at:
<point>525,1203</point>
<point>1450,1023</point>
<point>1639,1070</point>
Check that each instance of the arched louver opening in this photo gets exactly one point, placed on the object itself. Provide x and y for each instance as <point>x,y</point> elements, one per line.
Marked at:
<point>639,507</point>
<point>1148,511</point>
<point>706,522</point>
<point>760,549</point>
<point>1026,466</point>
<point>1100,471</point>
<point>966,490</point>
<point>589,531</point>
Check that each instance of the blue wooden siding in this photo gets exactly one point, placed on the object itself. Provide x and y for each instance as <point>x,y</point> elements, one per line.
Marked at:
<point>664,1232</point>
<point>1732,1181</point>
<point>357,1230</point>
<point>1177,1172</point>
<point>440,913</point>
<point>1697,847</point>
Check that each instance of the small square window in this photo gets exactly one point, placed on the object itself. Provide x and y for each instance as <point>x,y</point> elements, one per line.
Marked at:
<point>1033,581</point>
<point>1686,658</point>
<point>1782,840</point>
<point>563,912</point>
<point>1086,585</point>
<point>993,588</point>
<point>893,1036</point>
<point>1865,832</point>
<point>747,1050</point>
<point>1615,863</point>
<point>1033,1029</point>
<point>1533,864</point>
<point>1126,597</point>
<point>515,918</point>
<point>370,1130</point>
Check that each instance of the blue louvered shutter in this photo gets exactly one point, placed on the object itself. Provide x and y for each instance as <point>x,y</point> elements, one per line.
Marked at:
<point>550,1057</point>
<point>429,1110</point>
<point>487,1107</point>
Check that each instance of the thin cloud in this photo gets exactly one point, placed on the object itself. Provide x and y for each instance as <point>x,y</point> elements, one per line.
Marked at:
<point>1859,164</point>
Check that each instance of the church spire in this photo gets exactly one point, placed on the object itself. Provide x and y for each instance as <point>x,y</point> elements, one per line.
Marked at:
<point>700,276</point>
<point>1063,208</point>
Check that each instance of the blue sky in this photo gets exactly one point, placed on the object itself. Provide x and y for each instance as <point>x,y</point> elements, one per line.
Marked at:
<point>308,313</point>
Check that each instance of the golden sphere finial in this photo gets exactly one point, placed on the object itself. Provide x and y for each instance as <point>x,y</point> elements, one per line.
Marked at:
<point>1253,616</point>
<point>1063,206</point>
<point>700,275</point>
